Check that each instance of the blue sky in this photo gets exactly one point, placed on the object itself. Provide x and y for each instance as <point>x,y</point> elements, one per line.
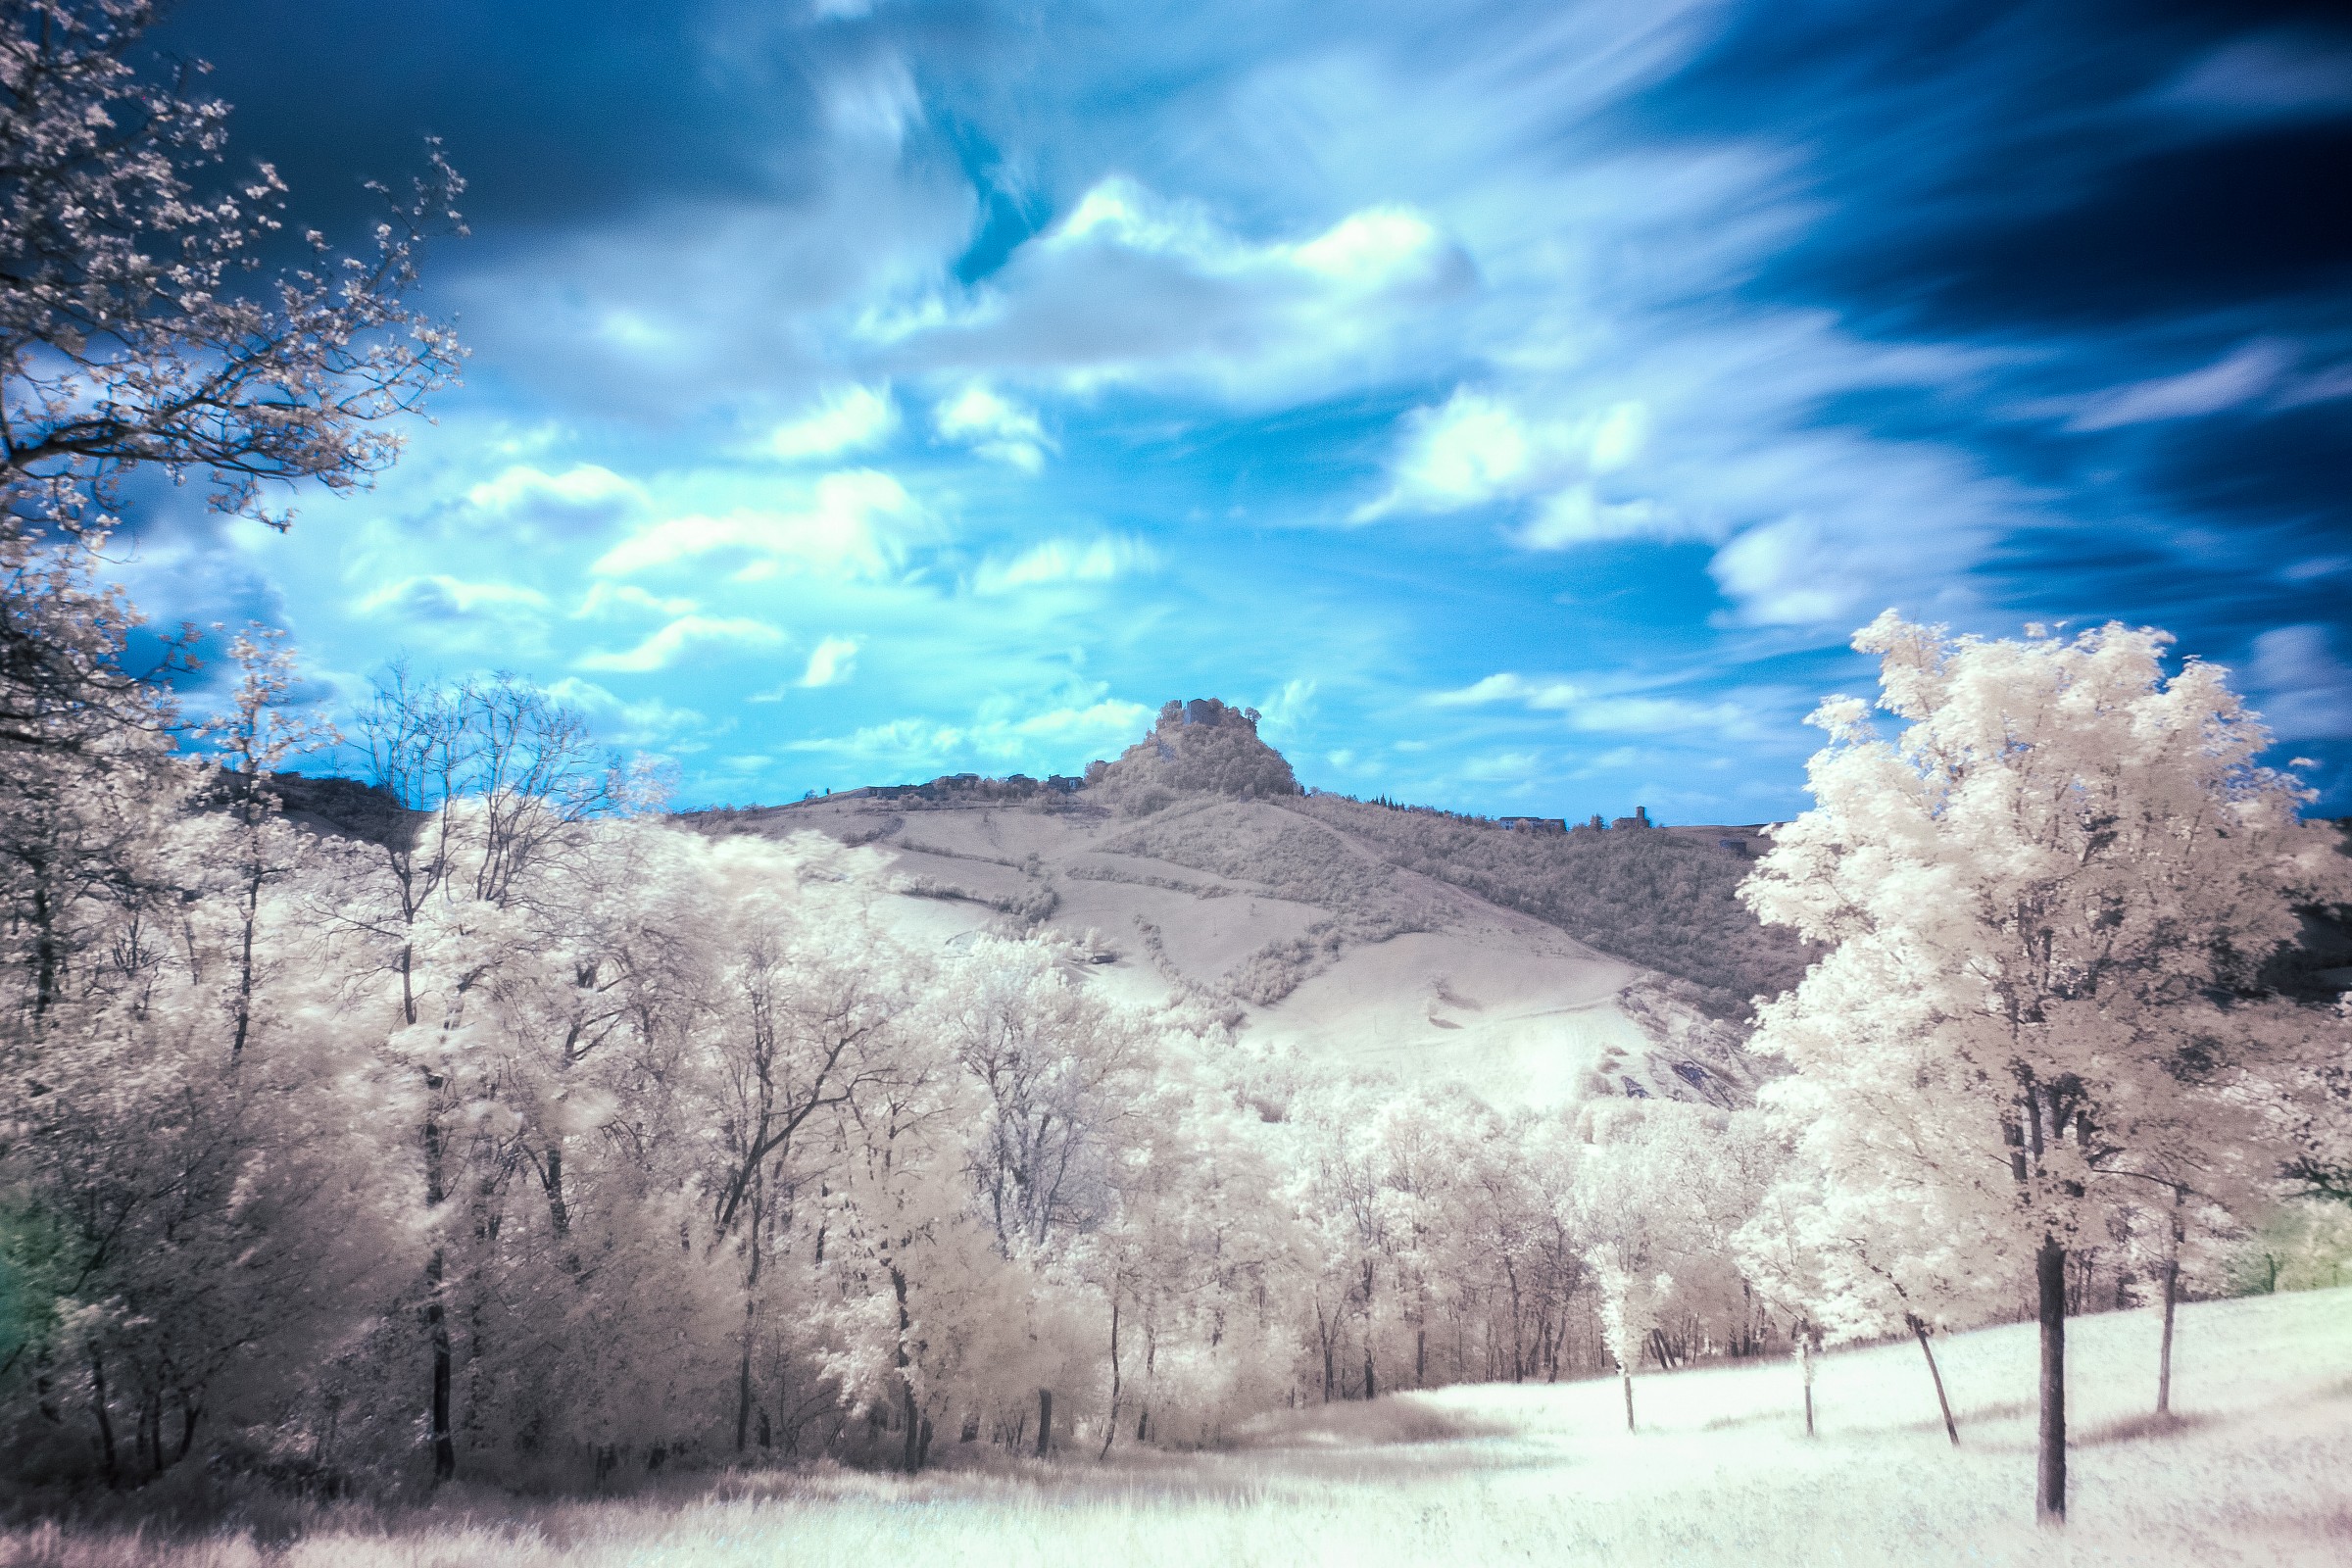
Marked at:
<point>1520,404</point>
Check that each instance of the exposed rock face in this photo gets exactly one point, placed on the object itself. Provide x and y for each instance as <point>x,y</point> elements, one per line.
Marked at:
<point>1198,747</point>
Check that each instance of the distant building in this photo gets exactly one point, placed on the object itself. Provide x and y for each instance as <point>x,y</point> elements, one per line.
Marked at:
<point>1532,825</point>
<point>1064,784</point>
<point>1640,819</point>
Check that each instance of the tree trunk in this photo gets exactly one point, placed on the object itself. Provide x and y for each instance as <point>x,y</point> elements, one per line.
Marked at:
<point>1045,1422</point>
<point>1926,1350</point>
<point>1919,1327</point>
<point>2172,1296</point>
<point>2049,1489</point>
<point>106,1425</point>
<point>436,1317</point>
<point>436,1322</point>
<point>1804,1361</point>
<point>1110,1423</point>
<point>1370,1391</point>
<point>913,1456</point>
<point>743,1385</point>
<point>1625,1375</point>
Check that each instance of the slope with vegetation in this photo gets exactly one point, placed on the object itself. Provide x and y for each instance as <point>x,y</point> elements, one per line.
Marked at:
<point>1666,903</point>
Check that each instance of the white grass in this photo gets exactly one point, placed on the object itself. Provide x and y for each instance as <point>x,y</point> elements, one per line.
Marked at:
<point>2258,1470</point>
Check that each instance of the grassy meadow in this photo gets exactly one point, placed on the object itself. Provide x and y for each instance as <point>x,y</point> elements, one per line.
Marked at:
<point>2255,1468</point>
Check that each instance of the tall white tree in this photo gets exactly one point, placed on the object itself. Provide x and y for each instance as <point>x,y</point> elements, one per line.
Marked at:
<point>2047,899</point>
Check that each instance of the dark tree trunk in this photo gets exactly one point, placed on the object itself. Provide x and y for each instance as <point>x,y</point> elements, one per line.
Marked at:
<point>1045,1422</point>
<point>913,1455</point>
<point>2049,1488</point>
<point>2172,1297</point>
<point>1625,1375</point>
<point>106,1424</point>
<point>436,1317</point>
<point>436,1322</point>
<point>743,1385</point>
<point>1951,1428</point>
<point>1370,1388</point>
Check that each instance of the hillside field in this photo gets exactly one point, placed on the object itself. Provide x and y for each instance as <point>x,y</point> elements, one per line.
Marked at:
<point>2256,1468</point>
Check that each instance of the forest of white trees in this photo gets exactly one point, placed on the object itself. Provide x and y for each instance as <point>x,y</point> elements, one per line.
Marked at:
<point>496,1124</point>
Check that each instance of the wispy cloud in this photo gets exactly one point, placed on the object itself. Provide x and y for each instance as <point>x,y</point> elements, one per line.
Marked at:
<point>831,662</point>
<point>2229,382</point>
<point>1062,736</point>
<point>1593,706</point>
<point>995,427</point>
<point>1134,288</point>
<point>440,597</point>
<point>851,525</point>
<point>699,633</point>
<point>1064,561</point>
<point>853,418</point>
<point>2304,690</point>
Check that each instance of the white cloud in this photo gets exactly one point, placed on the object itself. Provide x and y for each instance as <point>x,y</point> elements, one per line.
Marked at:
<point>584,485</point>
<point>2235,379</point>
<point>646,724</point>
<point>2305,692</point>
<point>1500,768</point>
<point>847,527</point>
<point>1474,449</point>
<point>1576,515</point>
<point>849,419</point>
<point>995,427</point>
<point>1618,439</point>
<point>1586,707</point>
<point>1064,561</point>
<point>662,647</point>
<point>1284,714</point>
<point>604,598</point>
<point>1131,288</point>
<point>999,738</point>
<point>1478,448</point>
<point>438,596</point>
<point>832,663</point>
<point>1509,688</point>
<point>1776,574</point>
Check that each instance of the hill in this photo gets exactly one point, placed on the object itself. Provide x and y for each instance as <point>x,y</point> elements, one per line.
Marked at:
<point>1535,966</point>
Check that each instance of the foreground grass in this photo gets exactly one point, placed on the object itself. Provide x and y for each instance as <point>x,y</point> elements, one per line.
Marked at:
<point>2256,1469</point>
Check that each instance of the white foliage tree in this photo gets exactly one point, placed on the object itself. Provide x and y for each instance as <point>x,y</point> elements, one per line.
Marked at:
<point>2045,898</point>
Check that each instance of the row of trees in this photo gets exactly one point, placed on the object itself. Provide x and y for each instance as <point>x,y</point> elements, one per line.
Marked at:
<point>502,1126</point>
